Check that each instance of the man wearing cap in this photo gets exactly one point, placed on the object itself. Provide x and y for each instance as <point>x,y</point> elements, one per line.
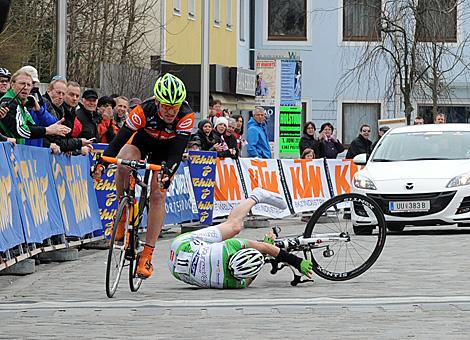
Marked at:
<point>87,120</point>
<point>107,130</point>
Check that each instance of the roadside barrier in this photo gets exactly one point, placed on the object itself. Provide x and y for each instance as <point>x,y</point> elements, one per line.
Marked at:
<point>49,202</point>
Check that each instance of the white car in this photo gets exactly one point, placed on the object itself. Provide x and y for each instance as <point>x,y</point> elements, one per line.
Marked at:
<point>420,175</point>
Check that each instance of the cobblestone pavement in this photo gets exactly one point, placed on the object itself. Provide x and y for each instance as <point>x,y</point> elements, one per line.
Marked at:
<point>419,288</point>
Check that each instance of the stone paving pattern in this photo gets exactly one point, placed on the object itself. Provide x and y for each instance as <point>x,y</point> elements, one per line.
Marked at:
<point>418,289</point>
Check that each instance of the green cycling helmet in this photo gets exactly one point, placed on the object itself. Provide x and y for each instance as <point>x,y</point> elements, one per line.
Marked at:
<point>169,90</point>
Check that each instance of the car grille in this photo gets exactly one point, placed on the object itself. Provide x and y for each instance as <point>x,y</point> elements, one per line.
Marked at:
<point>438,200</point>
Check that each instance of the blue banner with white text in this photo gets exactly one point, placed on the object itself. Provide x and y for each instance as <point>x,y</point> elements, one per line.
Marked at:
<point>106,194</point>
<point>178,205</point>
<point>202,170</point>
<point>11,231</point>
<point>36,197</point>
<point>76,195</point>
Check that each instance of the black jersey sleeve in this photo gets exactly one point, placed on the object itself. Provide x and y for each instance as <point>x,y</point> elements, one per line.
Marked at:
<point>123,135</point>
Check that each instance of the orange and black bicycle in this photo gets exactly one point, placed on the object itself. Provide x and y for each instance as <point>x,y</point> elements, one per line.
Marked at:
<point>126,252</point>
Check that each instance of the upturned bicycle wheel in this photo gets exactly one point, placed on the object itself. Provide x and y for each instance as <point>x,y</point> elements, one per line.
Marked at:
<point>343,260</point>
<point>117,251</point>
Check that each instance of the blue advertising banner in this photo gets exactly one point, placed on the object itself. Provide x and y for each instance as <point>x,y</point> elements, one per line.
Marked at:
<point>291,86</point>
<point>11,230</point>
<point>76,196</point>
<point>105,194</point>
<point>202,170</point>
<point>178,205</point>
<point>36,196</point>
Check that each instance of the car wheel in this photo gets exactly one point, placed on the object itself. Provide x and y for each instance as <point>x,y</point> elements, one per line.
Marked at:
<point>395,227</point>
<point>362,230</point>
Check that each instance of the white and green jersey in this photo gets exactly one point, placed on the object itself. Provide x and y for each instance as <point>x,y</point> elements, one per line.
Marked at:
<point>201,258</point>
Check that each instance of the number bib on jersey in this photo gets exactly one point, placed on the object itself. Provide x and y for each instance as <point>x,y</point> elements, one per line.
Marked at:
<point>183,263</point>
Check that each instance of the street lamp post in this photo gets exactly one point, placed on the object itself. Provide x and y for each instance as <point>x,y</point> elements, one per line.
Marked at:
<point>61,37</point>
<point>205,22</point>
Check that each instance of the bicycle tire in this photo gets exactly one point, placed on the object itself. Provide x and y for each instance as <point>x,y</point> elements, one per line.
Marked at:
<point>332,266</point>
<point>116,252</point>
<point>134,281</point>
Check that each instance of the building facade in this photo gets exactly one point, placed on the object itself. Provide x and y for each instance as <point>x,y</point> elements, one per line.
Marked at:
<point>330,38</point>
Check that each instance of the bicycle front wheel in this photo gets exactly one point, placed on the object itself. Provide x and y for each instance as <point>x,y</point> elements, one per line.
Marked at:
<point>353,253</point>
<point>117,250</point>
<point>134,281</point>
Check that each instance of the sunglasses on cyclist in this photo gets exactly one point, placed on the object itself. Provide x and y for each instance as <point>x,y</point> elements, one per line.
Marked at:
<point>170,107</point>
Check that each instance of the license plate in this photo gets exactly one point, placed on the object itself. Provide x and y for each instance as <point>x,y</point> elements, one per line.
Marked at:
<point>409,206</point>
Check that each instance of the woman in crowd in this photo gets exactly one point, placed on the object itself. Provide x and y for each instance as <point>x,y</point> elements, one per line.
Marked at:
<point>330,146</point>
<point>238,131</point>
<point>225,144</point>
<point>204,135</point>
<point>309,139</point>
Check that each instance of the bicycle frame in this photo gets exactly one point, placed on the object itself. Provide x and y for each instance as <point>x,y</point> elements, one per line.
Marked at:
<point>300,243</point>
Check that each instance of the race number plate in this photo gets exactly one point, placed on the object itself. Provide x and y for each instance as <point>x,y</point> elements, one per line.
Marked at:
<point>409,206</point>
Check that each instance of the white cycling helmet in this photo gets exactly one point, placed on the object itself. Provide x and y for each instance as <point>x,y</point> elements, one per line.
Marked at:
<point>246,263</point>
<point>5,73</point>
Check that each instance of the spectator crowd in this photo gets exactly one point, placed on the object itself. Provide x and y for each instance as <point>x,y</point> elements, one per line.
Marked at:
<point>67,119</point>
<point>63,118</point>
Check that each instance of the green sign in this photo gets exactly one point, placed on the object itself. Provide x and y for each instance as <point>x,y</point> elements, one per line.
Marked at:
<point>290,120</point>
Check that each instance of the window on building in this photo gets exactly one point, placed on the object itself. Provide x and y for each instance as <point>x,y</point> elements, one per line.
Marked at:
<point>192,9</point>
<point>217,12</point>
<point>287,20</point>
<point>177,7</point>
<point>436,20</point>
<point>241,25</point>
<point>228,14</point>
<point>361,20</point>
<point>453,114</point>
<point>356,114</point>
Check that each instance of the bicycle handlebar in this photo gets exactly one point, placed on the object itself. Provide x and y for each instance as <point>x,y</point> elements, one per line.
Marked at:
<point>132,163</point>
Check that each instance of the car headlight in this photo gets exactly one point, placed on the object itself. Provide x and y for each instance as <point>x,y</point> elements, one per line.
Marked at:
<point>363,182</point>
<point>457,181</point>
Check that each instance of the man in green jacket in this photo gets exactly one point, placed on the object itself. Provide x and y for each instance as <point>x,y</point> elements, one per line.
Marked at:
<point>15,120</point>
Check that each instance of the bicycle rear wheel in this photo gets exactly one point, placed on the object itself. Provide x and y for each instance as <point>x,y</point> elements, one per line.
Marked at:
<point>343,260</point>
<point>117,251</point>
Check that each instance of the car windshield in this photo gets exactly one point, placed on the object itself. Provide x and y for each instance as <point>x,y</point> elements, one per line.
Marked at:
<point>413,146</point>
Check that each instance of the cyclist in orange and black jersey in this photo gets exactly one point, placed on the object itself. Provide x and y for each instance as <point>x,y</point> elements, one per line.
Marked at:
<point>161,125</point>
<point>146,129</point>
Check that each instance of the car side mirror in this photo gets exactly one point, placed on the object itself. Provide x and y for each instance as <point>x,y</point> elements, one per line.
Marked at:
<point>360,159</point>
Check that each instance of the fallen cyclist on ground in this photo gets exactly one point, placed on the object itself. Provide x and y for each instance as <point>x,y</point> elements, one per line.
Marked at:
<point>213,258</point>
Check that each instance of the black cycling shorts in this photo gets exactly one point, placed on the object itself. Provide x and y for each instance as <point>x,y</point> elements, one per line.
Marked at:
<point>147,144</point>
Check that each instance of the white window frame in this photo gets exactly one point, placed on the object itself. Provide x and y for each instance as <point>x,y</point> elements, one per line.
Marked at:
<point>177,7</point>
<point>307,42</point>
<point>228,15</point>
<point>192,9</point>
<point>217,19</point>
